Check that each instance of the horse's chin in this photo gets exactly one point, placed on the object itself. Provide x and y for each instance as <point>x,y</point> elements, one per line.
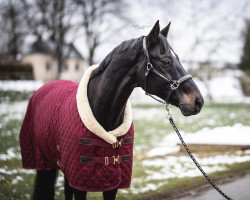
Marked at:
<point>187,110</point>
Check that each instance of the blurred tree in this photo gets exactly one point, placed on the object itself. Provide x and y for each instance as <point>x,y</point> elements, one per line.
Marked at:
<point>94,15</point>
<point>12,27</point>
<point>245,61</point>
<point>50,20</point>
<point>204,72</point>
<point>245,58</point>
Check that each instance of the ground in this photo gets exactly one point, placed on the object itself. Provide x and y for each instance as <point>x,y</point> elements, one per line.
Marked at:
<point>237,189</point>
<point>158,169</point>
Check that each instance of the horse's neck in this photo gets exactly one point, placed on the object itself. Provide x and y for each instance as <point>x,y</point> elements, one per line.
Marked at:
<point>108,94</point>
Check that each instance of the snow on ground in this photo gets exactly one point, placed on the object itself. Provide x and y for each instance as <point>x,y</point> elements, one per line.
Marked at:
<point>7,171</point>
<point>10,108</point>
<point>12,153</point>
<point>22,85</point>
<point>11,111</point>
<point>223,89</point>
<point>237,134</point>
<point>182,166</point>
<point>159,171</point>
<point>149,113</point>
<point>169,167</point>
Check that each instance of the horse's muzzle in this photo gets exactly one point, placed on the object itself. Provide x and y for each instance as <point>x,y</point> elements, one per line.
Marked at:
<point>192,104</point>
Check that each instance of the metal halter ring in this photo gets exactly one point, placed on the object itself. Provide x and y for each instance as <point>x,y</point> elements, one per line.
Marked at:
<point>149,66</point>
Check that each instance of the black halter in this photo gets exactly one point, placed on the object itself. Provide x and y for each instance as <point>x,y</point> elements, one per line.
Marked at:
<point>174,84</point>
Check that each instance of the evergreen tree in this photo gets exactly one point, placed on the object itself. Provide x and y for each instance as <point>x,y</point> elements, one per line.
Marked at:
<point>245,58</point>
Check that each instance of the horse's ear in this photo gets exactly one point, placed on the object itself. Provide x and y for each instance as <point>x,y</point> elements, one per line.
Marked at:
<point>152,37</point>
<point>165,30</point>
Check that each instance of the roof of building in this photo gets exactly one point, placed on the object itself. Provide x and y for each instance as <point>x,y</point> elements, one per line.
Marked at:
<point>41,46</point>
<point>46,47</point>
<point>70,51</point>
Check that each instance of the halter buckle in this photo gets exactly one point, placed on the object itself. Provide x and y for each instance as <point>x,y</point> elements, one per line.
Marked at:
<point>174,85</point>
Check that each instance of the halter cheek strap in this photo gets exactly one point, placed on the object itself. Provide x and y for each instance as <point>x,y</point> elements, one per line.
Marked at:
<point>174,84</point>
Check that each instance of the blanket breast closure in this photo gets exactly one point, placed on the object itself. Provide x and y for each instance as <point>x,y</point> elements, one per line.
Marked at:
<point>55,134</point>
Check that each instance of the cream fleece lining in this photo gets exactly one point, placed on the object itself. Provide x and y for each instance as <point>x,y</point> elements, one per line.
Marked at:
<point>88,118</point>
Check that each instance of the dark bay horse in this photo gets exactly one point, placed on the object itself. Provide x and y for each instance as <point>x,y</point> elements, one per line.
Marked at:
<point>111,84</point>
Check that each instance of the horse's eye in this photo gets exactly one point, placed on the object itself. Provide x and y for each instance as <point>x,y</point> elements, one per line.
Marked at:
<point>167,61</point>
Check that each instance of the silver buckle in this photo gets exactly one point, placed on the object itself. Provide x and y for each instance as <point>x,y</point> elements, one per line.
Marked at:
<point>174,85</point>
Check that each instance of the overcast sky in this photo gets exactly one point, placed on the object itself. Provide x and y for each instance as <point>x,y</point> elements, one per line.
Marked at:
<point>201,30</point>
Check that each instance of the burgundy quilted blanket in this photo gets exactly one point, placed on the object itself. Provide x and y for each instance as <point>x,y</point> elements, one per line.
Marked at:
<point>54,136</point>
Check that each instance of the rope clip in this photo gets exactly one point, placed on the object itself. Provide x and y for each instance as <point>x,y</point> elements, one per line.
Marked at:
<point>168,115</point>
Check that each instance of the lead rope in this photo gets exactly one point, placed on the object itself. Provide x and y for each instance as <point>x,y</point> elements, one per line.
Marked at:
<point>174,84</point>
<point>170,118</point>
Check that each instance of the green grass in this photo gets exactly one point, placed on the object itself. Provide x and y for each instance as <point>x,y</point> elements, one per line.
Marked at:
<point>9,133</point>
<point>149,132</point>
<point>12,96</point>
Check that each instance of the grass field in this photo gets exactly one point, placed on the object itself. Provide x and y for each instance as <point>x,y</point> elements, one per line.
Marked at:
<point>150,174</point>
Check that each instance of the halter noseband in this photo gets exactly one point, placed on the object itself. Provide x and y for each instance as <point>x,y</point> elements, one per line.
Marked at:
<point>174,84</point>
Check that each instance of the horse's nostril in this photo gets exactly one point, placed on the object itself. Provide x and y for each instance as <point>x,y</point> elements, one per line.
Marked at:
<point>198,104</point>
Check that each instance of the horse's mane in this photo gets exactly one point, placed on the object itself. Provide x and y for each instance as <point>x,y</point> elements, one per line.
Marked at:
<point>124,46</point>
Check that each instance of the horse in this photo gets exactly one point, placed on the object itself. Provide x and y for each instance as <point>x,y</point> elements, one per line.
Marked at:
<point>56,108</point>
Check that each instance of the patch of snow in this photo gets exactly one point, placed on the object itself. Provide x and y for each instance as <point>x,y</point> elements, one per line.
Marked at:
<point>59,181</point>
<point>147,187</point>
<point>149,113</point>
<point>13,108</point>
<point>225,87</point>
<point>168,145</point>
<point>21,85</point>
<point>16,171</point>
<point>12,111</point>
<point>16,180</point>
<point>138,96</point>
<point>12,153</point>
<point>237,134</point>
<point>180,167</point>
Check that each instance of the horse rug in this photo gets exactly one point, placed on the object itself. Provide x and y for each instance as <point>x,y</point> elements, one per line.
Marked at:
<point>59,131</point>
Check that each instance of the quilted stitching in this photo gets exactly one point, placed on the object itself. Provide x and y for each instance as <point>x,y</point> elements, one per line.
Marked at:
<point>52,121</point>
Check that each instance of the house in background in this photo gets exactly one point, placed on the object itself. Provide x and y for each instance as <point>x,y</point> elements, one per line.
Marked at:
<point>43,60</point>
<point>73,65</point>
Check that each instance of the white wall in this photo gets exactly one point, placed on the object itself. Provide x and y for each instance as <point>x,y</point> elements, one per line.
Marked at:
<point>44,66</point>
<point>69,71</point>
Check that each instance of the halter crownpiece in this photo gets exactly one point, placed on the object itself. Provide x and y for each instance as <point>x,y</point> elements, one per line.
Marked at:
<point>174,84</point>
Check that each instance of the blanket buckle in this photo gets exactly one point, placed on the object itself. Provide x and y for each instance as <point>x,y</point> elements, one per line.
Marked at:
<point>106,159</point>
<point>117,144</point>
<point>116,160</point>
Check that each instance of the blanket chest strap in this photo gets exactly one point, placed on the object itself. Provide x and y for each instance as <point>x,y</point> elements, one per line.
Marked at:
<point>102,143</point>
<point>107,160</point>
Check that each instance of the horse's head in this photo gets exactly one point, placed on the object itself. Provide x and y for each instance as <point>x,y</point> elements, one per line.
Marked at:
<point>161,74</point>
